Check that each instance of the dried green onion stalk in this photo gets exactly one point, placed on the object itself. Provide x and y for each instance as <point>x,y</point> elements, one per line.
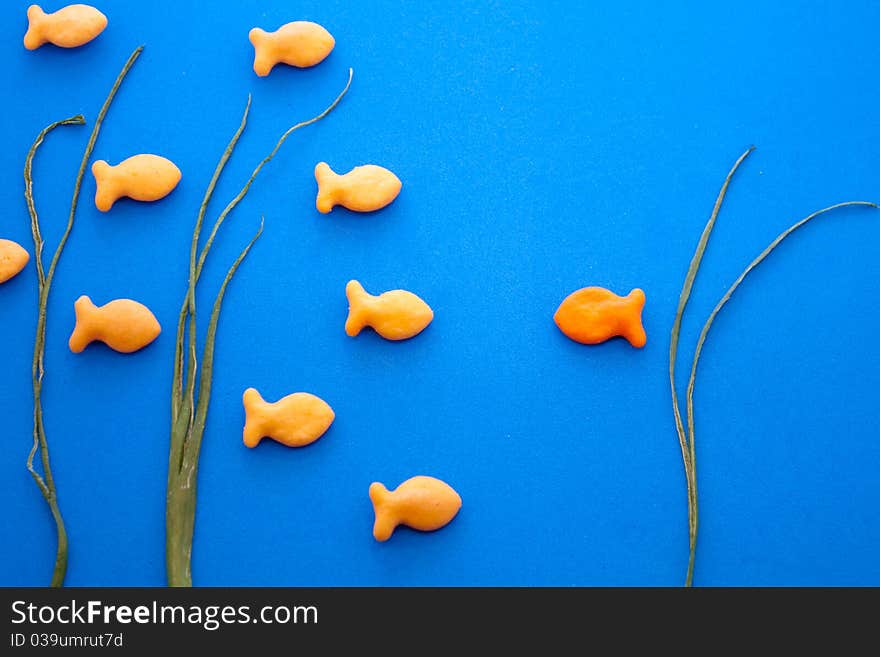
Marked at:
<point>46,482</point>
<point>189,410</point>
<point>686,438</point>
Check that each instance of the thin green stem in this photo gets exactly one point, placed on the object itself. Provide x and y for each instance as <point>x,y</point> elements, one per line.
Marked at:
<point>189,390</point>
<point>724,299</point>
<point>79,119</point>
<point>181,499</point>
<point>687,439</point>
<point>87,155</point>
<point>688,454</point>
<point>188,411</point>
<point>46,482</point>
<point>206,377</point>
<point>235,201</point>
<point>188,306</point>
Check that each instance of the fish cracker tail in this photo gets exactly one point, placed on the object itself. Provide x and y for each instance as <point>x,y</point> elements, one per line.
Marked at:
<point>326,178</point>
<point>263,60</point>
<point>358,310</point>
<point>386,519</point>
<point>82,331</point>
<point>34,38</point>
<point>253,427</point>
<point>105,192</point>
<point>635,331</point>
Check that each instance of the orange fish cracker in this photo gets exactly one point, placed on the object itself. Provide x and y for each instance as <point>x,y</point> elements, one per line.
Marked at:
<point>395,315</point>
<point>593,314</point>
<point>301,44</point>
<point>69,27</point>
<point>13,259</point>
<point>296,420</point>
<point>363,189</point>
<point>422,503</point>
<point>142,177</point>
<point>123,325</point>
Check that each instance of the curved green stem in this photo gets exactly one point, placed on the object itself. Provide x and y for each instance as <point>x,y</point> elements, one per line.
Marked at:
<point>688,455</point>
<point>178,404</point>
<point>244,190</point>
<point>46,482</point>
<point>188,410</point>
<point>689,395</point>
<point>687,439</point>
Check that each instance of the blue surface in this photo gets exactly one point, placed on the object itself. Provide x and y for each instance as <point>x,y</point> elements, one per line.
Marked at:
<point>542,148</point>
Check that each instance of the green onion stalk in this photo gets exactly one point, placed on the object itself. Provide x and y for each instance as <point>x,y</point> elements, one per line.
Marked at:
<point>686,438</point>
<point>190,394</point>
<point>46,481</point>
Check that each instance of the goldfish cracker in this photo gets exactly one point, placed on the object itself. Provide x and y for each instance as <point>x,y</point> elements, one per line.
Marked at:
<point>422,503</point>
<point>296,420</point>
<point>593,314</point>
<point>395,315</point>
<point>123,325</point>
<point>142,177</point>
<point>301,44</point>
<point>363,189</point>
<point>13,259</point>
<point>69,27</point>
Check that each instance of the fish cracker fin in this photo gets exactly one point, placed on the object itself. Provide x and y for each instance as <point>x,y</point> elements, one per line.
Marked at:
<point>253,427</point>
<point>326,179</point>
<point>34,38</point>
<point>386,519</point>
<point>82,330</point>
<point>358,311</point>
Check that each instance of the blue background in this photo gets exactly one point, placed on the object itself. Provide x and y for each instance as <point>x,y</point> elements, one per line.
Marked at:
<point>543,147</point>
